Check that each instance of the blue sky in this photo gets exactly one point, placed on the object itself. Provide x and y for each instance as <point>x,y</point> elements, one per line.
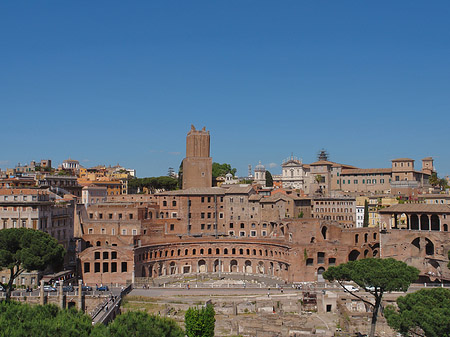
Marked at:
<point>109,82</point>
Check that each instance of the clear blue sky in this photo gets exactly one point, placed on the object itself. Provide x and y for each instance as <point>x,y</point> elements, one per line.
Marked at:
<point>109,82</point>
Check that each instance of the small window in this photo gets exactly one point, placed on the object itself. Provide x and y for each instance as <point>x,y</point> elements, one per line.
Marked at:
<point>105,255</point>
<point>87,267</point>
<point>172,227</point>
<point>97,267</point>
<point>113,267</point>
<point>97,255</point>
<point>124,267</point>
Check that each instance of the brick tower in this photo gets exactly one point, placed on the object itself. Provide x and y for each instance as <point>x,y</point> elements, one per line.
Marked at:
<point>197,166</point>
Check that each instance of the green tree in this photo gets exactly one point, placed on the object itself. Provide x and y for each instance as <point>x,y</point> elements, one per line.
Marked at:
<point>269,179</point>
<point>376,276</point>
<point>423,313</point>
<point>433,180</point>
<point>220,170</point>
<point>138,323</point>
<point>22,320</point>
<point>154,183</point>
<point>24,249</point>
<point>366,214</point>
<point>200,322</point>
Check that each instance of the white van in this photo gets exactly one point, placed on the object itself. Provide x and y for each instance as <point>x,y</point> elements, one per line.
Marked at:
<point>350,288</point>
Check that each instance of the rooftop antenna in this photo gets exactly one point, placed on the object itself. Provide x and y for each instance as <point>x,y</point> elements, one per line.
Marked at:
<point>249,170</point>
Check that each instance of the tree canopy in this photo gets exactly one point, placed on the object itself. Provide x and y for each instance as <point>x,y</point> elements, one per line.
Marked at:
<point>424,313</point>
<point>220,170</point>
<point>22,320</point>
<point>154,183</point>
<point>434,181</point>
<point>138,323</point>
<point>200,322</point>
<point>27,249</point>
<point>269,179</point>
<point>376,276</point>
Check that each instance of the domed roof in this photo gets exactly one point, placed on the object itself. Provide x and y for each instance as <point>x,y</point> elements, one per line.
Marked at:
<point>228,175</point>
<point>260,167</point>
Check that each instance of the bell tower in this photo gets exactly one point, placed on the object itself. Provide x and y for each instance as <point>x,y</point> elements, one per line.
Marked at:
<point>197,166</point>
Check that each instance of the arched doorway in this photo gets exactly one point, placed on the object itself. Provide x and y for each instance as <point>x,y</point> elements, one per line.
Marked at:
<point>424,222</point>
<point>320,271</point>
<point>435,223</point>
<point>261,267</point>
<point>248,267</point>
<point>414,222</point>
<point>172,268</point>
<point>216,266</point>
<point>353,256</point>
<point>202,266</point>
<point>233,266</point>
<point>429,248</point>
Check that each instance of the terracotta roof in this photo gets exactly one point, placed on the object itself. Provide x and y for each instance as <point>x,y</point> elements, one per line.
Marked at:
<point>239,190</point>
<point>276,197</point>
<point>326,162</point>
<point>196,191</point>
<point>416,208</point>
<point>322,162</point>
<point>17,191</point>
<point>255,197</point>
<point>366,171</point>
<point>428,158</point>
<point>403,159</point>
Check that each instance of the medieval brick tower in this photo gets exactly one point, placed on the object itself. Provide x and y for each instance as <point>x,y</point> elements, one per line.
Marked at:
<point>197,166</point>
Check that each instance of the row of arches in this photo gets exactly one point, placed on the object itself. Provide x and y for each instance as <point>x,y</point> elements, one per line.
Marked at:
<point>356,254</point>
<point>165,268</point>
<point>188,252</point>
<point>424,222</point>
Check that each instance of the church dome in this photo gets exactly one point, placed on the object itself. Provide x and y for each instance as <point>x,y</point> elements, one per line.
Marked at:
<point>260,167</point>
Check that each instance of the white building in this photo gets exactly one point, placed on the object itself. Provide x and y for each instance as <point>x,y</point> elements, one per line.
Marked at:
<point>70,164</point>
<point>293,175</point>
<point>359,216</point>
<point>93,194</point>
<point>260,175</point>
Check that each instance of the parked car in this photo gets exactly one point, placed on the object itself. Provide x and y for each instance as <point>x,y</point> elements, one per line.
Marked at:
<point>86,288</point>
<point>2,289</point>
<point>68,289</point>
<point>350,288</point>
<point>103,288</point>
<point>49,288</point>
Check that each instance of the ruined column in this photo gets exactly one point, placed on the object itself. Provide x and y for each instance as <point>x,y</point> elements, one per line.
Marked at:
<point>80,296</point>
<point>61,296</point>
<point>41,293</point>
